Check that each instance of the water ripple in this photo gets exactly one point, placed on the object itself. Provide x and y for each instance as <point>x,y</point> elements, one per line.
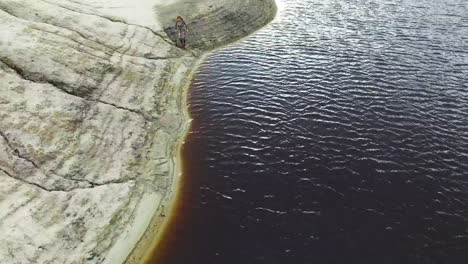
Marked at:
<point>338,134</point>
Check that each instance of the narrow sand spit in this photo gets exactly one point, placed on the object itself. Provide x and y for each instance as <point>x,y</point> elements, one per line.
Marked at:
<point>93,114</point>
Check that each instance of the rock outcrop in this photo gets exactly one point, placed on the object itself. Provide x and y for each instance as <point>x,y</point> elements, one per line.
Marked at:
<point>92,108</point>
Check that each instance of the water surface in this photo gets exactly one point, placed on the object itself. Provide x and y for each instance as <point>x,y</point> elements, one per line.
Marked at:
<point>337,134</point>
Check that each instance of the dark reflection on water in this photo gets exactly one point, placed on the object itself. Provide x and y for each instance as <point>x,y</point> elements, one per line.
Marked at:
<point>338,134</point>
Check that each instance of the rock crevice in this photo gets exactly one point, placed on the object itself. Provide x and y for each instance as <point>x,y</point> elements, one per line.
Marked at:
<point>92,115</point>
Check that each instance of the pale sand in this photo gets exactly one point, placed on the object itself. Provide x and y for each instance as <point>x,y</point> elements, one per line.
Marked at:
<point>154,231</point>
<point>94,115</point>
<point>165,211</point>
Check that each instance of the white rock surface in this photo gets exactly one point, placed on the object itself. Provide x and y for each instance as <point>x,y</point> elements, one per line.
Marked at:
<point>92,110</point>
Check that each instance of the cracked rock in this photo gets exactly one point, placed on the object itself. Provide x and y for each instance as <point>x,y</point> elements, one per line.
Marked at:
<point>92,112</point>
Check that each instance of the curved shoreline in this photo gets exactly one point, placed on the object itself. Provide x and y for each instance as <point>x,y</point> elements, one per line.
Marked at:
<point>162,216</point>
<point>93,119</point>
<point>143,250</point>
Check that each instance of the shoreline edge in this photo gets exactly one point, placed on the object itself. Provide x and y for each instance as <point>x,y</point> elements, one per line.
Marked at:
<point>94,117</point>
<point>162,217</point>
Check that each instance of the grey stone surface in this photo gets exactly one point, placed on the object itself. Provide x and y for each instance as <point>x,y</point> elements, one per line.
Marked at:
<point>92,112</point>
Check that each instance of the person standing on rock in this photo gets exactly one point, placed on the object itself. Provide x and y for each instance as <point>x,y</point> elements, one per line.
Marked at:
<point>182,30</point>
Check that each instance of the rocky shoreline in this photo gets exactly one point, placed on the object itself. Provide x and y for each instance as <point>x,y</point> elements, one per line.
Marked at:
<point>93,114</point>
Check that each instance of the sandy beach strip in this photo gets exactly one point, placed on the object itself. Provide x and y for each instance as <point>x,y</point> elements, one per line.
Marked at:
<point>162,216</point>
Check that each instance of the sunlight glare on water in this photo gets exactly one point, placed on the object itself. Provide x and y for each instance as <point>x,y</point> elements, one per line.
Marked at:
<point>337,134</point>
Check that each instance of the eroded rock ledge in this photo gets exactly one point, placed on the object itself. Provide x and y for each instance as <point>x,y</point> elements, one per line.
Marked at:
<point>92,110</point>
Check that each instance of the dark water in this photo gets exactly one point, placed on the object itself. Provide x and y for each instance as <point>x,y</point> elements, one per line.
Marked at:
<point>338,134</point>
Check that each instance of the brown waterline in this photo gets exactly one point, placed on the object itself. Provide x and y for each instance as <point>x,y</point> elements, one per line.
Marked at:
<point>158,237</point>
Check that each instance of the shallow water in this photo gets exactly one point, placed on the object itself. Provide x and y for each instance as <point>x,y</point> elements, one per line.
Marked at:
<point>337,134</point>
